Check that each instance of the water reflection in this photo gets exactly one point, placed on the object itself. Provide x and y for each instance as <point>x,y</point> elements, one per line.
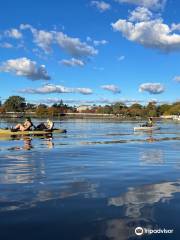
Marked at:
<point>83,177</point>
<point>135,199</point>
<point>21,169</point>
<point>119,229</point>
<point>114,229</point>
<point>26,143</point>
<point>18,200</point>
<point>152,156</point>
<point>138,206</point>
<point>49,142</point>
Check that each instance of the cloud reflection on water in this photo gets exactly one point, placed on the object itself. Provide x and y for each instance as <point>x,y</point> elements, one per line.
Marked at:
<point>152,156</point>
<point>138,205</point>
<point>135,199</point>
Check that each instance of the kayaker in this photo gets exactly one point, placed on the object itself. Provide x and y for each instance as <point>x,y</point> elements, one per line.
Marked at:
<point>45,126</point>
<point>23,127</point>
<point>150,122</point>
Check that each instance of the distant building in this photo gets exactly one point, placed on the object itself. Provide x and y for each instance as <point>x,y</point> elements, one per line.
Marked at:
<point>167,116</point>
<point>84,108</point>
<point>176,117</point>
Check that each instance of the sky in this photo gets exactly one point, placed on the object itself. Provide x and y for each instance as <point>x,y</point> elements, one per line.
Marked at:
<point>90,52</point>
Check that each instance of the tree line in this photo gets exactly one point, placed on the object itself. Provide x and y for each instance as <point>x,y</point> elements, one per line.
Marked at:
<point>152,109</point>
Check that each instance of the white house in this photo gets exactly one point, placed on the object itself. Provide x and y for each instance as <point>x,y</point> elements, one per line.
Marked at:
<point>84,108</point>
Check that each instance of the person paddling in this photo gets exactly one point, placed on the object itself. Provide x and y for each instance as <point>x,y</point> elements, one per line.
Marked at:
<point>46,126</point>
<point>149,123</point>
<point>23,127</point>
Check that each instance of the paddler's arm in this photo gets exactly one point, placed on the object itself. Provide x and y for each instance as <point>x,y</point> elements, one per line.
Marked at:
<point>26,127</point>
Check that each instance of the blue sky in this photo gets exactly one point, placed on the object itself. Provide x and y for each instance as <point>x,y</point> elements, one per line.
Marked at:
<point>87,52</point>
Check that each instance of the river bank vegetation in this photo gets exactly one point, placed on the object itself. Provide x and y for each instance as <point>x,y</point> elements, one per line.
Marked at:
<point>17,104</point>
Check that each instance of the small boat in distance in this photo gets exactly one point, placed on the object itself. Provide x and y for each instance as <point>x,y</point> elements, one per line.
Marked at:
<point>146,128</point>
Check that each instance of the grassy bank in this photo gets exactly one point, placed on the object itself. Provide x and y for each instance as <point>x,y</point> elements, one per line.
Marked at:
<point>72,116</point>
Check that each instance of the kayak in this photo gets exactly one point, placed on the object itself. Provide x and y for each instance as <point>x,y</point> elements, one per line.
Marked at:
<point>146,128</point>
<point>7,132</point>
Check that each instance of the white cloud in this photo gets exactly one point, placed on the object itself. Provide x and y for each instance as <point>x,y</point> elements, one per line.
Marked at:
<point>6,45</point>
<point>152,34</point>
<point>73,62</point>
<point>96,42</point>
<point>101,5</point>
<point>175,27</point>
<point>177,79</point>
<point>100,42</point>
<point>47,89</point>
<point>121,58</point>
<point>42,38</point>
<point>140,14</point>
<point>102,101</point>
<point>152,4</point>
<point>13,33</point>
<point>50,88</point>
<point>85,91</point>
<point>111,88</point>
<point>25,26</point>
<point>74,46</point>
<point>91,101</point>
<point>70,101</point>
<point>152,88</point>
<point>26,68</point>
<point>78,101</point>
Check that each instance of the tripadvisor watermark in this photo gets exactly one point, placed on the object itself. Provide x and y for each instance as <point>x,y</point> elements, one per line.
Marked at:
<point>140,231</point>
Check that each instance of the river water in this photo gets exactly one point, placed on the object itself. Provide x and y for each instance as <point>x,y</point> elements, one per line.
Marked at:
<point>99,181</point>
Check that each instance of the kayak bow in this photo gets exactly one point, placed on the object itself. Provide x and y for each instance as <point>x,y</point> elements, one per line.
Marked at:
<point>7,132</point>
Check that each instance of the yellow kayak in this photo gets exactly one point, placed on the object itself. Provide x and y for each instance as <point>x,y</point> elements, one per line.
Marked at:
<point>8,132</point>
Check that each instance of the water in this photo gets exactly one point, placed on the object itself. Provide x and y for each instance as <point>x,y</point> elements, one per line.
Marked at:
<point>99,181</point>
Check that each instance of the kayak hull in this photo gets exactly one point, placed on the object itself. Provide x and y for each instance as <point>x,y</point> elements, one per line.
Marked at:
<point>146,128</point>
<point>7,132</point>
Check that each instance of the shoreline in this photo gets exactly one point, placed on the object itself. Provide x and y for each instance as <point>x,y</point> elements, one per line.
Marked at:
<point>76,116</point>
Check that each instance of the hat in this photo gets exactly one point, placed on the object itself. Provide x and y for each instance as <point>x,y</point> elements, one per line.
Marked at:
<point>28,118</point>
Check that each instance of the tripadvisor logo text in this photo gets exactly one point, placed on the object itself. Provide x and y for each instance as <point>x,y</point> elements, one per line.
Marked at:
<point>140,231</point>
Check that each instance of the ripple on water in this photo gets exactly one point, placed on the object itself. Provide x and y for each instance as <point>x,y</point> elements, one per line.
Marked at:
<point>99,181</point>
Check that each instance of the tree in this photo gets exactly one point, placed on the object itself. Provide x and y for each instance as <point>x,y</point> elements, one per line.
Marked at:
<point>30,107</point>
<point>151,109</point>
<point>62,108</point>
<point>53,111</point>
<point>136,106</point>
<point>15,104</point>
<point>2,110</point>
<point>42,111</point>
<point>118,107</point>
<point>164,108</point>
<point>135,110</point>
<point>174,109</point>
